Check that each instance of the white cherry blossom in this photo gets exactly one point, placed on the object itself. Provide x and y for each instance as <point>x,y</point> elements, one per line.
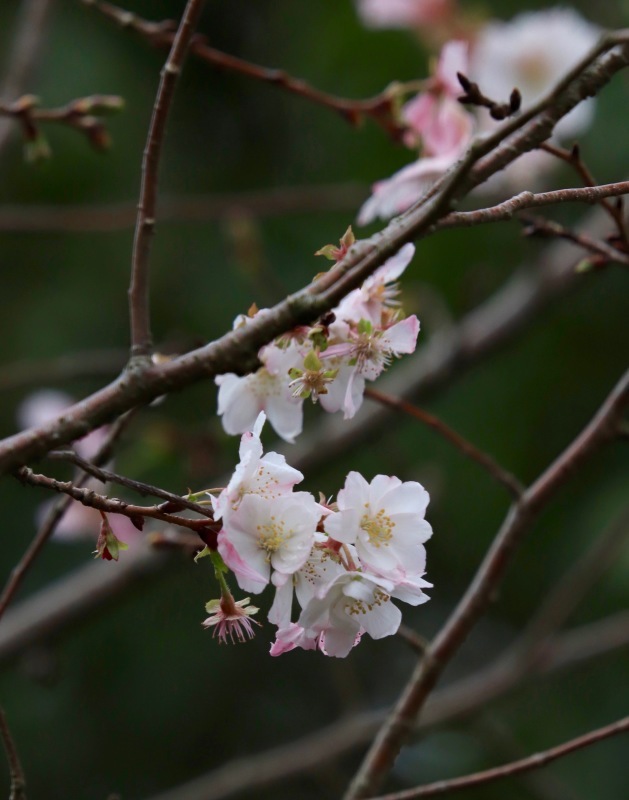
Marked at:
<point>271,534</point>
<point>240,399</point>
<point>268,476</point>
<point>385,520</point>
<point>352,604</point>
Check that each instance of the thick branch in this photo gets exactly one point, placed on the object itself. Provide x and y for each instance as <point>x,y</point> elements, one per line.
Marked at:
<point>237,351</point>
<point>141,339</point>
<point>396,730</point>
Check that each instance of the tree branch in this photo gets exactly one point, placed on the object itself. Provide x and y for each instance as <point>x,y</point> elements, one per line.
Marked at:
<point>27,42</point>
<point>55,516</point>
<point>504,477</point>
<point>381,108</point>
<point>237,350</point>
<point>110,505</point>
<point>174,501</point>
<point>470,608</point>
<point>514,768</point>
<point>141,339</point>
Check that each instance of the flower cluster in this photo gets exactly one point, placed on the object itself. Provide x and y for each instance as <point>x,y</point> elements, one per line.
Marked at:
<point>532,53</point>
<point>343,562</point>
<point>328,362</point>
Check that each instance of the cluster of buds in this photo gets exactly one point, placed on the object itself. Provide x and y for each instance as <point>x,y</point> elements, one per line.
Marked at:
<point>328,362</point>
<point>344,562</point>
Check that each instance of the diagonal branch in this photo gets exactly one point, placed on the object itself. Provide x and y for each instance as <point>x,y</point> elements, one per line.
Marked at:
<point>237,350</point>
<point>514,768</point>
<point>141,339</point>
<point>53,518</point>
<point>497,472</point>
<point>477,598</point>
<point>110,505</point>
<point>381,108</point>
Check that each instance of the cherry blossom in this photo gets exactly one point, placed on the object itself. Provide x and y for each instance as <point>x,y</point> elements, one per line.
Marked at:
<point>404,13</point>
<point>240,399</point>
<point>385,520</point>
<point>231,618</point>
<point>276,533</point>
<point>268,476</point>
<point>352,604</point>
<point>322,566</point>
<point>440,125</point>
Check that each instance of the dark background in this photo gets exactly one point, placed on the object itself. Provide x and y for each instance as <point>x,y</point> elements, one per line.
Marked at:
<point>137,698</point>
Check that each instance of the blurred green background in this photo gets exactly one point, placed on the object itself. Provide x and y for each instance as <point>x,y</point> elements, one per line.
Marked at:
<point>137,698</point>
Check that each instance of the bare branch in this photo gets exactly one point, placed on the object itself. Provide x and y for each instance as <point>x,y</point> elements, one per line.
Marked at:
<point>27,42</point>
<point>141,339</point>
<point>508,209</point>
<point>478,596</point>
<point>573,157</point>
<point>538,226</point>
<point>504,477</point>
<point>174,501</point>
<point>237,350</point>
<point>81,115</point>
<point>381,108</point>
<point>514,768</point>
<point>111,505</point>
<point>53,518</point>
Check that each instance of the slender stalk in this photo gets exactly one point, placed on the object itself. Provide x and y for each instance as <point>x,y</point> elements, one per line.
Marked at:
<point>141,338</point>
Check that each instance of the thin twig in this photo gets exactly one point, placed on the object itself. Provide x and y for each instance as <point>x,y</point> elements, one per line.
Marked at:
<point>514,768</point>
<point>497,472</point>
<point>18,782</point>
<point>141,338</point>
<point>508,209</point>
<point>381,108</point>
<point>54,516</point>
<point>25,51</point>
<point>476,599</point>
<point>81,115</point>
<point>110,505</point>
<point>573,157</point>
<point>174,501</point>
<point>538,226</point>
